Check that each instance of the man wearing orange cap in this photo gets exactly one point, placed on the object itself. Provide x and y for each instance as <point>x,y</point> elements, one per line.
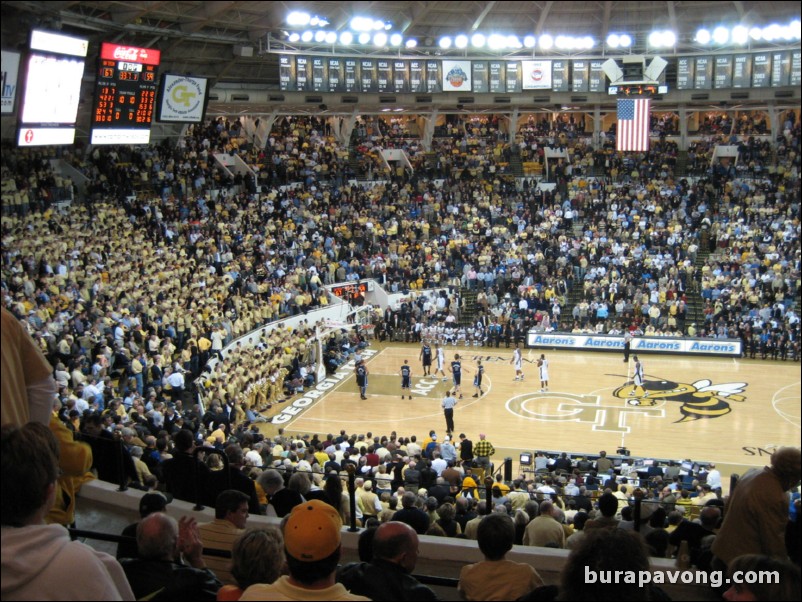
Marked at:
<point>312,547</point>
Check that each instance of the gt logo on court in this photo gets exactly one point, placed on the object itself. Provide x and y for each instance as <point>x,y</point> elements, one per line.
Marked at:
<point>612,417</point>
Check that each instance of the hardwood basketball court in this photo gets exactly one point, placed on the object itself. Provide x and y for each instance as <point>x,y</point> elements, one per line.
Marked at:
<point>727,411</point>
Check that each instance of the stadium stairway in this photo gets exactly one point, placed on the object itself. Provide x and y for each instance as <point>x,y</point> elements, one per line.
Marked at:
<point>431,161</point>
<point>681,168</point>
<point>574,297</point>
<point>575,294</point>
<point>695,303</point>
<point>354,163</point>
<point>468,311</point>
<point>516,166</point>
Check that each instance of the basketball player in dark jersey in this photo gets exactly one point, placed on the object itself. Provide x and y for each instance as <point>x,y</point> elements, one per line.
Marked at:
<point>477,379</point>
<point>426,358</point>
<point>406,379</point>
<point>362,379</point>
<point>456,374</point>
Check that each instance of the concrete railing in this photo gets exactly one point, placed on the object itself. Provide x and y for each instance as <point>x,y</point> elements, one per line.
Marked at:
<point>103,509</point>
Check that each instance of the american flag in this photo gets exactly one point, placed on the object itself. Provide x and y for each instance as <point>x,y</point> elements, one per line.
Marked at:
<point>633,124</point>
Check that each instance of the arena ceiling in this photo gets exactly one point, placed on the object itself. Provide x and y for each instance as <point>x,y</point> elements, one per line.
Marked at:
<point>236,43</point>
<point>206,38</point>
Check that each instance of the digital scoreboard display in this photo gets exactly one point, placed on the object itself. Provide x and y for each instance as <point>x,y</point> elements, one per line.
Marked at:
<point>53,72</point>
<point>125,94</point>
<point>353,293</point>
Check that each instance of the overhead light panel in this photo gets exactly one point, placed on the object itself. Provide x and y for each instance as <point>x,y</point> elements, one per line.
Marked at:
<point>574,43</point>
<point>529,41</point>
<point>461,41</point>
<point>346,38</point>
<point>478,40</point>
<point>721,35</point>
<point>445,43</point>
<point>396,39</point>
<point>496,42</point>
<point>662,39</point>
<point>703,36</point>
<point>380,39</point>
<point>740,35</point>
<point>411,43</point>
<point>361,24</point>
<point>546,41</point>
<point>298,18</point>
<point>772,32</point>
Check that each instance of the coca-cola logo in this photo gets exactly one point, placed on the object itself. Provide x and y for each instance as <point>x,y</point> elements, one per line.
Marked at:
<point>132,54</point>
<point>128,54</point>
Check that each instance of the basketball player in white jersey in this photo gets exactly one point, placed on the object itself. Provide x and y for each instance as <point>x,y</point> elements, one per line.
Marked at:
<point>543,367</point>
<point>518,361</point>
<point>440,358</point>
<point>637,377</point>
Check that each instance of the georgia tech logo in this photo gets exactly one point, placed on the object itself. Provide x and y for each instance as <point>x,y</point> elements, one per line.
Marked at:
<point>184,98</point>
<point>589,409</point>
<point>700,399</point>
<point>182,95</point>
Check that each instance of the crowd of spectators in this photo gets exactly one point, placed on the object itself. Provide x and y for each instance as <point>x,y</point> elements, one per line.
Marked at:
<point>127,296</point>
<point>129,293</point>
<point>403,490</point>
<point>716,123</point>
<point>30,183</point>
<point>255,262</point>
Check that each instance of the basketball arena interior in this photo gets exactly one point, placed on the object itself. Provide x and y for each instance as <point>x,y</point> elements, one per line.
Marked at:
<point>506,257</point>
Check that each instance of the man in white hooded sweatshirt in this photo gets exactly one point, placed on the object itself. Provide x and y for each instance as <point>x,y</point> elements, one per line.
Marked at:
<point>39,561</point>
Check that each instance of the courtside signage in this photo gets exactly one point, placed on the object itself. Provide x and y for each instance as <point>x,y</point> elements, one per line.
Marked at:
<point>729,347</point>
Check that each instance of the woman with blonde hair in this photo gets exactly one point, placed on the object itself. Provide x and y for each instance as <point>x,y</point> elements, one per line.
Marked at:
<point>257,557</point>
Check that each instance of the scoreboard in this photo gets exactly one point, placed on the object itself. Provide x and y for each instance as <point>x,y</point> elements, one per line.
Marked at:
<point>54,69</point>
<point>125,94</point>
<point>353,293</point>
